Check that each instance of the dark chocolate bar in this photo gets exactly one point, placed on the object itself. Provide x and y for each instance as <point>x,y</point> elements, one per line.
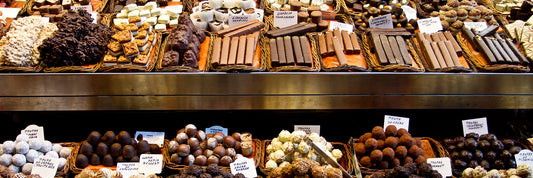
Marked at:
<point>507,48</point>
<point>438,54</point>
<point>296,31</point>
<point>285,28</point>
<point>506,57</point>
<point>329,42</point>
<point>215,58</point>
<point>322,46</point>
<point>445,54</point>
<point>455,58</point>
<point>274,59</point>
<point>339,51</point>
<point>306,52</point>
<point>488,31</point>
<point>486,51</point>
<point>380,53</point>
<point>396,50</point>
<point>355,43</point>
<point>493,49</point>
<point>387,48</point>
<point>289,54</point>
<point>517,52</point>
<point>403,50</point>
<point>298,55</point>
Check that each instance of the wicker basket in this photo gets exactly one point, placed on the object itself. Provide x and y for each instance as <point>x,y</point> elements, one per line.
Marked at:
<point>345,160</point>
<point>338,7</point>
<point>243,68</point>
<point>7,69</point>
<point>178,167</point>
<point>164,48</point>
<point>154,55</point>
<point>452,69</point>
<point>437,151</point>
<point>374,64</point>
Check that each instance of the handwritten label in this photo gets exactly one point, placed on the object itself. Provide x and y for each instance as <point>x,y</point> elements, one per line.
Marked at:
<point>34,131</point>
<point>384,21</point>
<point>244,166</point>
<point>128,169</point>
<point>308,128</point>
<point>478,126</point>
<point>524,157</point>
<point>215,129</point>
<point>285,18</point>
<point>152,137</point>
<point>150,164</point>
<point>399,122</point>
<point>475,25</point>
<point>45,166</point>
<point>88,8</point>
<point>442,165</point>
<point>10,12</point>
<point>239,19</point>
<point>342,26</point>
<point>429,25</point>
<point>410,13</point>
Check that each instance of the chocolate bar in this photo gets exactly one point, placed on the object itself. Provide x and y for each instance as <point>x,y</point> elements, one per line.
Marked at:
<point>348,46</point>
<point>289,54</point>
<point>236,27</point>
<point>296,31</point>
<point>445,54</point>
<point>428,51</point>
<point>337,33</point>
<point>298,55</point>
<point>355,43</point>
<point>517,52</point>
<point>396,50</point>
<point>234,46</point>
<point>403,50</point>
<point>329,42</point>
<point>224,53</point>
<point>274,59</point>
<point>453,54</point>
<point>438,54</point>
<point>435,37</point>
<point>339,51</point>
<point>506,57</point>
<point>322,46</point>
<point>250,49</point>
<point>256,38</point>
<point>441,36</point>
<point>281,51</point>
<point>507,48</point>
<point>456,46</point>
<point>285,28</point>
<point>241,50</point>
<point>215,58</point>
<point>494,50</point>
<point>246,30</point>
<point>380,53</point>
<point>394,31</point>
<point>427,37</point>
<point>487,52</point>
<point>387,48</point>
<point>306,52</point>
<point>488,31</point>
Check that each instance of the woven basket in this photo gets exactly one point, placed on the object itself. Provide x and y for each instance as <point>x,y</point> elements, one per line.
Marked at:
<point>242,68</point>
<point>265,54</point>
<point>374,64</point>
<point>478,62</point>
<point>66,170</point>
<point>436,147</point>
<point>154,55</point>
<point>165,48</point>
<point>338,7</point>
<point>178,167</point>
<point>105,7</point>
<point>428,68</point>
<point>7,69</point>
<point>345,160</point>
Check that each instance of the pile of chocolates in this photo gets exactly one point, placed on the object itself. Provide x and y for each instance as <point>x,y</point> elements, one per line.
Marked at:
<point>212,170</point>
<point>150,13</point>
<point>385,149</point>
<point>455,13</point>
<point>409,170</point>
<point>305,5</point>
<point>428,6</point>
<point>77,41</point>
<point>440,49</point>
<point>338,43</point>
<point>131,42</point>
<point>54,8</point>
<point>302,167</point>
<point>183,44</point>
<point>390,46</point>
<point>120,4</point>
<point>375,8</point>
<point>213,15</point>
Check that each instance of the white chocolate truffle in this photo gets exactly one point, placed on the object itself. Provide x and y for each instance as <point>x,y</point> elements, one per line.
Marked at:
<point>277,145</point>
<point>35,143</point>
<point>303,147</point>
<point>5,159</point>
<point>298,136</point>
<point>314,136</point>
<point>62,162</point>
<point>56,147</point>
<point>284,163</point>
<point>479,172</point>
<point>46,147</point>
<point>26,169</point>
<point>22,138</point>
<point>277,156</point>
<point>329,146</point>
<point>337,154</point>
<point>297,155</point>
<point>32,155</point>
<point>212,143</point>
<point>14,169</point>
<point>65,152</point>
<point>284,136</point>
<point>22,148</point>
<point>18,160</point>
<point>271,164</point>
<point>9,146</point>
<point>523,170</point>
<point>270,149</point>
<point>493,174</point>
<point>52,154</point>
<point>312,156</point>
<point>1,149</point>
<point>288,147</point>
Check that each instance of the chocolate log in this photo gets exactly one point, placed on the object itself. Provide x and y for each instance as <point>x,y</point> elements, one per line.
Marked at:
<point>488,31</point>
<point>329,42</point>
<point>507,48</point>
<point>348,46</point>
<point>428,51</point>
<point>234,46</point>
<point>306,52</point>
<point>224,53</point>
<point>274,59</point>
<point>322,46</point>
<point>380,53</point>
<point>323,25</point>
<point>296,31</point>
<point>289,54</point>
<point>494,50</point>
<point>281,51</point>
<point>517,52</point>
<point>236,27</point>
<point>241,51</point>
<point>298,55</point>
<point>435,37</point>
<point>438,54</point>
<point>506,57</point>
<point>250,49</point>
<point>215,58</point>
<point>485,50</point>
<point>441,36</point>
<point>387,48</point>
<point>445,54</point>
<point>339,51</point>
<point>396,50</point>
<point>427,37</point>
<point>355,43</point>
<point>403,50</point>
<point>285,28</point>
<point>246,30</point>
<point>302,16</point>
<point>455,58</point>
<point>456,46</point>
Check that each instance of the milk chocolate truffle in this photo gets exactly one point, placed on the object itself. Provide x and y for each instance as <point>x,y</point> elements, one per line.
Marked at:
<point>407,140</point>
<point>236,136</point>
<point>401,151</point>
<point>190,130</point>
<point>175,158</point>
<point>193,143</point>
<point>128,151</point>
<point>402,132</point>
<point>184,149</point>
<point>220,151</point>
<point>371,144</point>
<point>376,156</point>
<point>108,161</point>
<point>229,142</point>
<point>415,151</point>
<point>143,146</point>
<point>388,154</point>
<point>188,160</point>
<point>109,137</point>
<point>94,138</point>
<point>182,138</point>
<point>212,160</point>
<point>86,148</point>
<point>395,162</point>
<point>364,137</point>
<point>378,132</point>
<point>391,142</point>
<point>420,159</point>
<point>124,138</point>
<point>200,135</point>
<point>383,165</point>
<point>391,130</point>
<point>82,161</point>
<point>219,136</point>
<point>225,161</point>
<point>366,161</point>
<point>155,149</point>
<point>408,160</point>
<point>200,160</point>
<point>116,149</point>
<point>95,159</point>
<point>360,149</point>
<point>102,149</point>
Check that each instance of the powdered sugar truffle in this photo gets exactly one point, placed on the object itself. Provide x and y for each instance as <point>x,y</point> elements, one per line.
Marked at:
<point>5,159</point>
<point>22,148</point>
<point>14,169</point>
<point>56,147</point>
<point>1,149</point>
<point>32,155</point>
<point>35,143</point>
<point>9,146</point>
<point>46,146</point>
<point>52,154</point>
<point>26,169</point>
<point>65,152</point>
<point>22,138</point>
<point>62,162</point>
<point>18,159</point>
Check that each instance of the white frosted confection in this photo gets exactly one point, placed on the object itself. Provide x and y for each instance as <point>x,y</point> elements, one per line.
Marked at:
<point>336,153</point>
<point>163,19</point>
<point>288,147</point>
<point>155,12</point>
<point>118,21</point>
<point>303,147</point>
<point>5,159</point>
<point>298,136</point>
<point>314,136</point>
<point>247,4</point>
<point>173,23</point>
<point>144,13</point>
<point>132,7</point>
<point>8,146</point>
<point>329,147</point>
<point>305,3</point>
<point>18,159</point>
<point>200,24</point>
<point>281,1</point>
<point>173,12</point>
<point>22,138</point>
<point>277,145</point>
<point>22,148</point>
<point>52,154</point>
<point>150,5</point>
<point>46,147</point>
<point>122,14</point>
<point>151,20</point>
<point>220,16</point>
<point>237,156</point>
<point>32,155</point>
<point>284,136</point>
<point>35,143</point>
<point>286,6</point>
<point>14,169</point>
<point>284,163</point>
<point>230,3</point>
<point>324,7</point>
<point>479,172</point>
<point>160,27</point>
<point>26,169</point>
<point>62,162</point>
<point>270,149</point>
<point>312,156</point>
<point>134,13</point>
<point>215,4</point>
<point>271,164</point>
<point>277,156</point>
<point>56,147</point>
<point>65,152</point>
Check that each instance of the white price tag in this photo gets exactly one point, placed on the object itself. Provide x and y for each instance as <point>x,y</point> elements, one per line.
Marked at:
<point>150,164</point>
<point>429,25</point>
<point>10,12</point>
<point>34,131</point>
<point>245,166</point>
<point>239,19</point>
<point>308,128</point>
<point>342,26</point>
<point>152,137</point>
<point>215,129</point>
<point>88,8</point>
<point>128,169</point>
<point>476,25</point>
<point>399,122</point>
<point>285,18</point>
<point>45,166</point>
<point>524,157</point>
<point>442,165</point>
<point>384,22</point>
<point>94,15</point>
<point>478,126</point>
<point>410,13</point>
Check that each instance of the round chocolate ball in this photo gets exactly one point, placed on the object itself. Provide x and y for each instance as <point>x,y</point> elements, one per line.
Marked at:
<point>82,161</point>
<point>128,151</point>
<point>108,161</point>
<point>102,149</point>
<point>229,142</point>
<point>391,130</point>
<point>184,150</point>
<point>95,159</point>
<point>94,138</point>
<point>86,148</point>
<point>194,143</point>
<point>225,161</point>
<point>124,138</point>
<point>109,137</point>
<point>190,130</point>
<point>143,146</point>
<point>378,132</point>
<point>200,160</point>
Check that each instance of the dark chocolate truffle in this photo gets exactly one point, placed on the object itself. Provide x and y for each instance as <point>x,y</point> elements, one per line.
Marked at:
<point>371,144</point>
<point>95,159</point>
<point>128,151</point>
<point>376,156</point>
<point>124,138</point>
<point>378,132</point>
<point>143,146</point>
<point>86,148</point>
<point>391,130</point>
<point>102,149</point>
<point>401,151</point>
<point>108,161</point>
<point>109,137</point>
<point>94,138</point>
<point>116,149</point>
<point>82,161</point>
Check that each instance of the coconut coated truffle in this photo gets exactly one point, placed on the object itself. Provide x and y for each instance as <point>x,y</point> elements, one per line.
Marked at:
<point>8,146</point>
<point>18,160</point>
<point>22,148</point>
<point>32,155</point>
<point>5,159</point>
<point>35,143</point>
<point>26,169</point>
<point>47,146</point>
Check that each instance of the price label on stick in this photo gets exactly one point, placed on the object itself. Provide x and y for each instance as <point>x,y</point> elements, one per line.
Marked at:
<point>34,131</point>
<point>442,165</point>
<point>384,22</point>
<point>285,18</point>
<point>215,129</point>
<point>399,122</point>
<point>152,137</point>
<point>245,166</point>
<point>239,19</point>
<point>150,164</point>
<point>342,26</point>
<point>45,166</point>
<point>429,25</point>
<point>308,128</point>
<point>479,26</point>
<point>478,126</point>
<point>128,169</point>
<point>524,157</point>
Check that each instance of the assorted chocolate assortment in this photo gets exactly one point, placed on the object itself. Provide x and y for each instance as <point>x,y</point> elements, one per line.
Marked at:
<point>214,15</point>
<point>374,8</point>
<point>54,8</point>
<point>390,46</point>
<point>184,44</point>
<point>338,43</point>
<point>454,14</point>
<point>150,13</point>
<point>440,49</point>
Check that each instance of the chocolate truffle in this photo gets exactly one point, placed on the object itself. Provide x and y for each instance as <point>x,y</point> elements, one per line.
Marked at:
<point>143,146</point>
<point>95,159</point>
<point>86,148</point>
<point>184,149</point>
<point>388,154</point>
<point>82,161</point>
<point>364,137</point>
<point>378,132</point>
<point>360,149</point>
<point>371,144</point>
<point>108,161</point>
<point>193,143</point>
<point>94,138</point>
<point>102,149</point>
<point>124,138</point>
<point>109,137</point>
<point>402,132</point>
<point>128,151</point>
<point>391,142</point>
<point>116,149</point>
<point>366,161</point>
<point>401,151</point>
<point>376,156</point>
<point>391,130</point>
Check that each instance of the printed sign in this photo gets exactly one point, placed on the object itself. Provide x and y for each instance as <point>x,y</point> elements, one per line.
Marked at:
<point>476,25</point>
<point>524,157</point>
<point>45,166</point>
<point>410,13</point>
<point>10,12</point>
<point>215,129</point>
<point>245,166</point>
<point>308,128</point>
<point>239,19</point>
<point>429,25</point>
<point>478,126</point>
<point>150,164</point>
<point>384,21</point>
<point>88,8</point>
<point>128,169</point>
<point>152,137</point>
<point>399,122</point>
<point>342,26</point>
<point>34,131</point>
<point>285,18</point>
<point>442,165</point>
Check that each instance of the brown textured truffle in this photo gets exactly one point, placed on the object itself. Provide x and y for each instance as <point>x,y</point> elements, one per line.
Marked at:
<point>391,130</point>
<point>364,137</point>
<point>407,141</point>
<point>408,160</point>
<point>360,149</point>
<point>319,172</point>
<point>415,151</point>
<point>143,146</point>
<point>366,162</point>
<point>371,144</point>
<point>388,154</point>
<point>420,159</point>
<point>381,144</point>
<point>401,151</point>
<point>378,132</point>
<point>402,132</point>
<point>334,173</point>
<point>391,142</point>
<point>170,58</point>
<point>376,156</point>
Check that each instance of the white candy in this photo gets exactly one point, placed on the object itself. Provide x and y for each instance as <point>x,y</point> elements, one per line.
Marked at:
<point>18,160</point>
<point>134,13</point>
<point>151,20</point>
<point>65,152</point>
<point>173,146</point>
<point>132,7</point>
<point>119,21</point>
<point>9,146</point>
<point>22,148</point>
<point>122,15</point>
<point>275,7</point>
<point>14,169</point>
<point>22,138</point>
<point>5,159</point>
<point>1,149</point>
<point>32,155</point>
<point>26,169</point>
<point>160,27</point>
<point>52,154</point>
<point>46,147</point>
<point>173,12</point>
<point>35,143</point>
<point>163,19</point>
<point>284,136</point>
<point>324,7</point>
<point>155,12</point>
<point>271,164</point>
<point>144,13</point>
<point>150,5</point>
<point>62,162</point>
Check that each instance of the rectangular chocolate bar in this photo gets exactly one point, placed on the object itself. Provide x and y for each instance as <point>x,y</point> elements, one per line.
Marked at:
<point>215,58</point>
<point>380,53</point>
<point>445,54</point>
<point>493,50</point>
<point>355,43</point>
<point>250,49</point>
<point>488,31</point>
<point>456,46</point>
<point>306,52</point>
<point>486,51</point>
<point>516,51</point>
<point>507,48</point>
<point>506,56</point>
<point>289,54</point>
<point>396,50</point>
<point>274,59</point>
<point>236,27</point>
<point>339,51</point>
<point>242,50</point>
<point>428,51</point>
<point>256,39</point>
<point>298,55</point>
<point>281,51</point>
<point>435,37</point>
<point>246,30</point>
<point>296,31</point>
<point>455,58</point>
<point>403,50</point>
<point>387,48</point>
<point>441,36</point>
<point>348,46</point>
<point>234,46</point>
<point>322,46</point>
<point>427,37</point>
<point>438,54</point>
<point>329,42</point>
<point>285,28</point>
<point>337,33</point>
<point>224,53</point>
